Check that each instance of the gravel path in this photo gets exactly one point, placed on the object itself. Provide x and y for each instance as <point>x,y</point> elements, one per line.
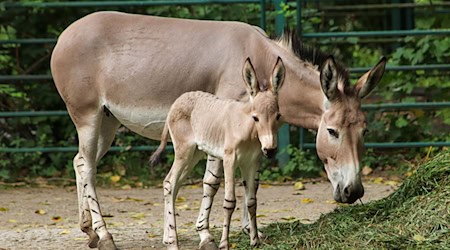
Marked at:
<point>46,218</point>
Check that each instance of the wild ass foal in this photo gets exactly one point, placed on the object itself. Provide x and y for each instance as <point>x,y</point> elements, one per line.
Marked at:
<point>230,130</point>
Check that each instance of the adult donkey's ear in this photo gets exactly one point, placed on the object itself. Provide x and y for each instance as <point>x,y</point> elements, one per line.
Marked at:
<point>369,80</point>
<point>329,79</point>
<point>249,75</point>
<point>278,75</point>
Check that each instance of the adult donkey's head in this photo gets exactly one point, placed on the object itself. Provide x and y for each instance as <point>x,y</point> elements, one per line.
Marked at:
<point>342,127</point>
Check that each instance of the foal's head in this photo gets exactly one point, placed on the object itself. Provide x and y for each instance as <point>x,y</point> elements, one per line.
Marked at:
<point>339,139</point>
<point>264,111</point>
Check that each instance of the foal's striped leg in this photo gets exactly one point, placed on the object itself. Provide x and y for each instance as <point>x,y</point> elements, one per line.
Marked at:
<point>250,178</point>
<point>229,203</point>
<point>211,183</point>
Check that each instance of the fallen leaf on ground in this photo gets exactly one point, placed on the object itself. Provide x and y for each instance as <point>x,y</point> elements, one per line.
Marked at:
<point>150,235</point>
<point>121,199</point>
<point>40,211</point>
<point>392,183</point>
<point>378,180</point>
<point>12,221</point>
<point>114,178</point>
<point>126,187</point>
<point>331,201</point>
<point>56,218</point>
<point>138,216</point>
<point>260,215</point>
<point>66,231</point>
<point>264,185</point>
<point>180,199</point>
<point>419,237</point>
<point>183,207</point>
<point>366,170</point>
<point>307,200</point>
<point>288,218</point>
<point>299,186</point>
<point>4,209</point>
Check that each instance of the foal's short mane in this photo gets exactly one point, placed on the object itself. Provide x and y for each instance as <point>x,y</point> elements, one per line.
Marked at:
<point>291,41</point>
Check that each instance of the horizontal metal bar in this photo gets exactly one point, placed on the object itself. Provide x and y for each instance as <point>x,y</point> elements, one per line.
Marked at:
<point>25,77</point>
<point>381,106</point>
<point>170,147</point>
<point>366,7</point>
<point>381,33</point>
<point>75,149</point>
<point>393,144</point>
<point>12,114</point>
<point>399,106</point>
<point>352,70</point>
<point>29,41</point>
<point>117,3</point>
<point>405,68</point>
<point>377,33</point>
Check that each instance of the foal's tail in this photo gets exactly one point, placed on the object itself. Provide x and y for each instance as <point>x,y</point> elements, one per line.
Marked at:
<point>156,157</point>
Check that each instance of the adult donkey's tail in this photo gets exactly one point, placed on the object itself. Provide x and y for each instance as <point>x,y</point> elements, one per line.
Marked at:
<point>156,157</point>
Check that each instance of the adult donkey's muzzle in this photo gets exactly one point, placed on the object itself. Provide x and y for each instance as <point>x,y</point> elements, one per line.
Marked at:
<point>348,194</point>
<point>269,152</point>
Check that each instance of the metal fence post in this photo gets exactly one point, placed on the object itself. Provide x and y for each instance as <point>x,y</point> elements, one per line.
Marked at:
<point>283,132</point>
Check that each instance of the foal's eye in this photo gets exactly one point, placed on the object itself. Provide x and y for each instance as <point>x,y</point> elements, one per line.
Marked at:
<point>278,116</point>
<point>255,118</point>
<point>333,132</point>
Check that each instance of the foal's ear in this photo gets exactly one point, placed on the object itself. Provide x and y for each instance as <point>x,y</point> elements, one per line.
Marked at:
<point>329,79</point>
<point>278,75</point>
<point>251,83</point>
<point>369,80</point>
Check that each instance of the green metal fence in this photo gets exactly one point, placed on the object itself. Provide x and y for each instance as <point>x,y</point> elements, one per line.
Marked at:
<point>279,25</point>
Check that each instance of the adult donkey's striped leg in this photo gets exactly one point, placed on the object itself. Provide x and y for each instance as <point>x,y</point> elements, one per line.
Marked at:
<point>211,183</point>
<point>186,156</point>
<point>91,148</point>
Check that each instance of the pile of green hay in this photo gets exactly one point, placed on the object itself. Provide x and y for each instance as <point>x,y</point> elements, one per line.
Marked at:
<point>416,216</point>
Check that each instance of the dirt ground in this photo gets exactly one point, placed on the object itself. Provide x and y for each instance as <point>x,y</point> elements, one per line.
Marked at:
<point>46,218</point>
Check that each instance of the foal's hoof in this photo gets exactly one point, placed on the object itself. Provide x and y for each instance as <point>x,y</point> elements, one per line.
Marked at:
<point>208,244</point>
<point>247,232</point>
<point>107,243</point>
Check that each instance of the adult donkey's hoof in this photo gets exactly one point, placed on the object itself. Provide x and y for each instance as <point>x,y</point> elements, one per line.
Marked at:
<point>107,243</point>
<point>93,237</point>
<point>208,244</point>
<point>93,241</point>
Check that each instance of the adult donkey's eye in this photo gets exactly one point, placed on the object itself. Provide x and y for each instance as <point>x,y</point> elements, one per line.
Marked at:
<point>278,116</point>
<point>365,131</point>
<point>333,132</point>
<point>255,118</point>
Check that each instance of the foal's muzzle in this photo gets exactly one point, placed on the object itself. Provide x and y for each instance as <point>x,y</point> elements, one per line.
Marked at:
<point>269,152</point>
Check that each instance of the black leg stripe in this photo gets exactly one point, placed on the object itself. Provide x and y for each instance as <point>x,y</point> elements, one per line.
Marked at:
<point>217,177</point>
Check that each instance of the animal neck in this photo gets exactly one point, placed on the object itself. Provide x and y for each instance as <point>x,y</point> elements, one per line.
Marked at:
<point>301,100</point>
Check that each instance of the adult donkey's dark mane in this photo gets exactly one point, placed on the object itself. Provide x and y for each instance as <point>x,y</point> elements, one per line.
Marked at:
<point>293,42</point>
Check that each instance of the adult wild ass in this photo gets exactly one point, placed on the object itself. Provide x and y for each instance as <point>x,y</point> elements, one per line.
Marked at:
<point>113,68</point>
<point>233,131</point>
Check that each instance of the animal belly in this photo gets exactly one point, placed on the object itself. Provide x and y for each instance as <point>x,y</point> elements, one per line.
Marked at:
<point>143,121</point>
<point>213,150</point>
